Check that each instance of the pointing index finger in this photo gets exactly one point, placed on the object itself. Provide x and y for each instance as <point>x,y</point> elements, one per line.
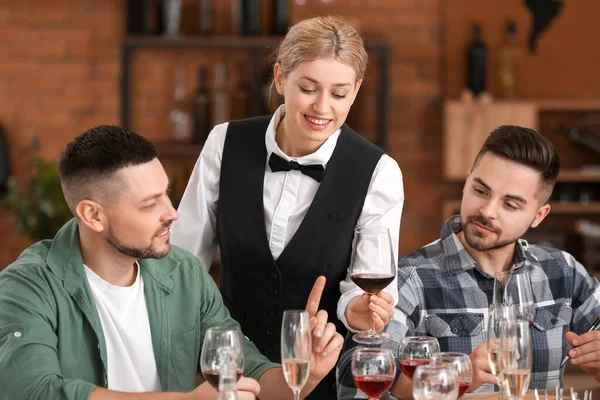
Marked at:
<point>314,298</point>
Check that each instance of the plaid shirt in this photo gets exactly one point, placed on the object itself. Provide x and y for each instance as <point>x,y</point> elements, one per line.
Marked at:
<point>445,294</point>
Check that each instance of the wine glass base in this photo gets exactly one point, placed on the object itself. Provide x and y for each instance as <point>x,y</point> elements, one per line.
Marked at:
<point>365,338</point>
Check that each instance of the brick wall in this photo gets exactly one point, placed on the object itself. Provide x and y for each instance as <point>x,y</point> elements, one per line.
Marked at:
<point>60,73</point>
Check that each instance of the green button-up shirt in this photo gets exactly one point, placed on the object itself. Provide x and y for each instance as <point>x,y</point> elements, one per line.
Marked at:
<point>51,340</point>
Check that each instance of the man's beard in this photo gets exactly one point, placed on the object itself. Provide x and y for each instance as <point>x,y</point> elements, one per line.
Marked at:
<point>480,245</point>
<point>134,252</point>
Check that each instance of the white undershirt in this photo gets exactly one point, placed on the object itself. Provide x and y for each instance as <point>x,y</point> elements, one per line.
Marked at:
<point>287,197</point>
<point>124,317</point>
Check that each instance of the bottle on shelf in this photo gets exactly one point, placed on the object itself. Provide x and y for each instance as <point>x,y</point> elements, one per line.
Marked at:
<point>204,17</point>
<point>250,17</point>
<point>201,109</point>
<point>509,62</point>
<point>281,10</point>
<point>476,63</point>
<point>240,105</point>
<point>236,17</point>
<point>179,116</point>
<point>219,97</point>
<point>172,16</point>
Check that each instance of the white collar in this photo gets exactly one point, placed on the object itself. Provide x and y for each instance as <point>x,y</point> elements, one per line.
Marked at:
<point>321,156</point>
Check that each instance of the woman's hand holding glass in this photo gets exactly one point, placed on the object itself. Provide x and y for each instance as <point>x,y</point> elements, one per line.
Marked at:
<point>372,268</point>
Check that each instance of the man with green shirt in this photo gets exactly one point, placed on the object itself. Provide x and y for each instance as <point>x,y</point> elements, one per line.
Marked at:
<point>107,309</point>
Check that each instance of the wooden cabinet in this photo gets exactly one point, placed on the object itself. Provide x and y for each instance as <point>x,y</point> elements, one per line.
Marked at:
<point>467,124</point>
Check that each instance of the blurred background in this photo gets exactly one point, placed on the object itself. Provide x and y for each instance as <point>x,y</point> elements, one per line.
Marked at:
<point>442,75</point>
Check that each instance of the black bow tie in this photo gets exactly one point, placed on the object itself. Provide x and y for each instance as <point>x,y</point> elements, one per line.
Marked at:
<point>315,171</point>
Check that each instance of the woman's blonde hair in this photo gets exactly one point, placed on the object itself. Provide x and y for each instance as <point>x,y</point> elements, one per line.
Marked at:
<point>322,37</point>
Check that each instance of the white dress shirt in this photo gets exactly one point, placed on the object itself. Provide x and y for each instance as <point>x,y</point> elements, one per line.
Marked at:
<point>286,199</point>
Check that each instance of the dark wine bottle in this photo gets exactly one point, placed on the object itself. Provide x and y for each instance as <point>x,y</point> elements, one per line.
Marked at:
<point>204,17</point>
<point>250,17</point>
<point>201,108</point>
<point>281,11</point>
<point>476,63</point>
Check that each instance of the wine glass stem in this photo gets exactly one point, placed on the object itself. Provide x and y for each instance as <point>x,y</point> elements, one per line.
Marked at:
<point>296,394</point>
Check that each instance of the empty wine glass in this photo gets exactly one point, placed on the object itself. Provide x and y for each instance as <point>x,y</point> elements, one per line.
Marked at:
<point>515,358</point>
<point>372,268</point>
<point>462,363</point>
<point>415,351</point>
<point>296,349</point>
<point>515,288</point>
<point>211,359</point>
<point>373,370</point>
<point>435,381</point>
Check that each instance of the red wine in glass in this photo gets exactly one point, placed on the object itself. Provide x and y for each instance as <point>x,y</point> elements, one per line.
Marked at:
<point>372,282</point>
<point>374,385</point>
<point>408,366</point>
<point>462,387</point>
<point>212,377</point>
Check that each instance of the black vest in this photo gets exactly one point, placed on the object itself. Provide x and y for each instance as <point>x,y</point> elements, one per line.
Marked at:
<point>257,289</point>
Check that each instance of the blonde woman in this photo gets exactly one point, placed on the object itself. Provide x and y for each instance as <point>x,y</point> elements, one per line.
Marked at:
<point>282,195</point>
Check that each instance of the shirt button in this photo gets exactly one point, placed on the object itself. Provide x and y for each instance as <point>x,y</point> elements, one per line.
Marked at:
<point>270,331</point>
<point>454,330</point>
<point>17,334</point>
<point>272,311</point>
<point>274,275</point>
<point>268,352</point>
<point>554,321</point>
<point>273,292</point>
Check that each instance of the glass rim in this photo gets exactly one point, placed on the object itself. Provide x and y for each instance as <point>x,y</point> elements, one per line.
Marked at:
<point>422,339</point>
<point>435,367</point>
<point>452,354</point>
<point>295,312</point>
<point>372,230</point>
<point>374,350</point>
<point>224,328</point>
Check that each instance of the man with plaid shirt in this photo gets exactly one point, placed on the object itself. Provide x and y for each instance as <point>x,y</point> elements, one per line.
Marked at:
<point>445,288</point>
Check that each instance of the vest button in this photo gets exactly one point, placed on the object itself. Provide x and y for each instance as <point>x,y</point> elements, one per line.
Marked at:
<point>274,275</point>
<point>270,331</point>
<point>273,292</point>
<point>271,311</point>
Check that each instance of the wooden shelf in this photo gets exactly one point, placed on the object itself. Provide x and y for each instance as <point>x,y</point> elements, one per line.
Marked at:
<point>176,149</point>
<point>451,206</point>
<point>580,175</point>
<point>575,208</point>
<point>217,42</point>
<point>568,105</point>
<point>241,42</point>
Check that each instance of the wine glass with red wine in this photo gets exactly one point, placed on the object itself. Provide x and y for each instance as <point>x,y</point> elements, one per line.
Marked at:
<point>415,351</point>
<point>210,359</point>
<point>373,370</point>
<point>461,363</point>
<point>372,268</point>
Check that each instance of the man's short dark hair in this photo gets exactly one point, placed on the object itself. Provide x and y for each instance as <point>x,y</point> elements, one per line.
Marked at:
<point>88,164</point>
<point>526,147</point>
